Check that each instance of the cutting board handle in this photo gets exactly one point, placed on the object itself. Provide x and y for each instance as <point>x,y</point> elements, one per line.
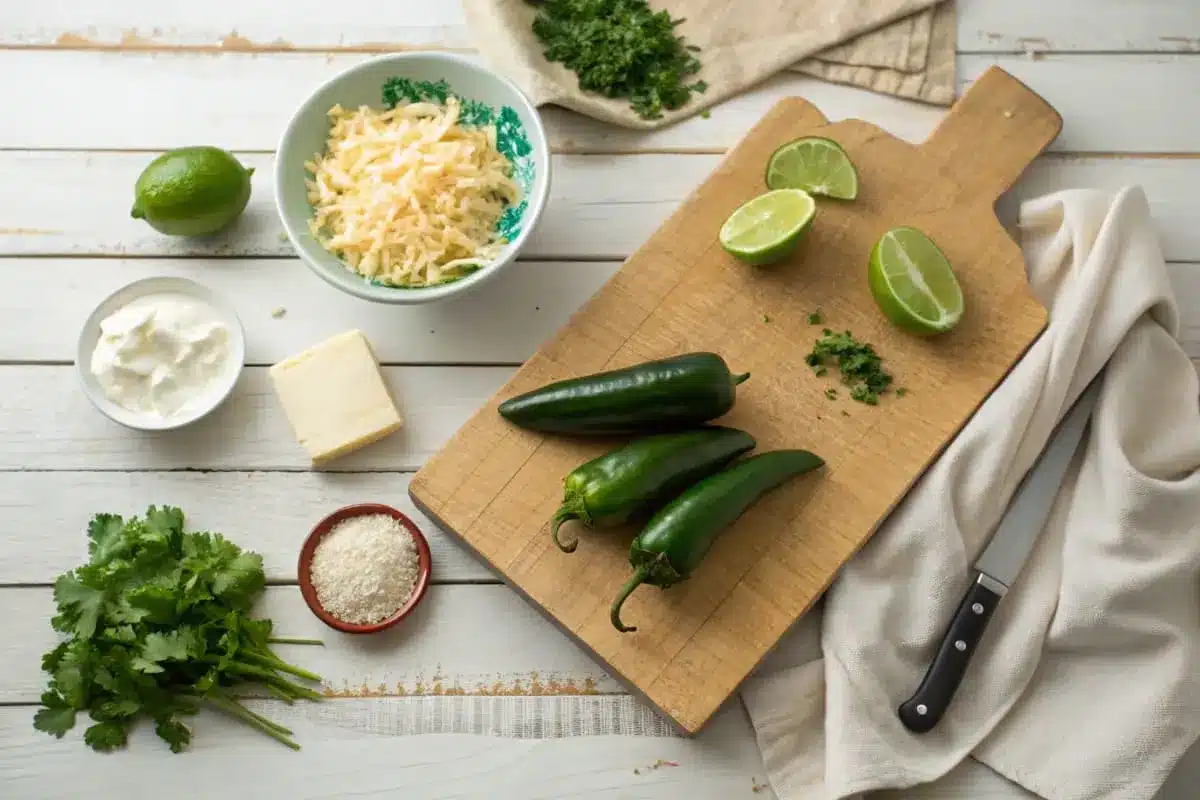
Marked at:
<point>991,134</point>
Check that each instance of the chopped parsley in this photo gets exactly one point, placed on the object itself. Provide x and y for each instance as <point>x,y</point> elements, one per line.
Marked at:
<point>861,367</point>
<point>901,392</point>
<point>831,393</point>
<point>815,318</point>
<point>621,48</point>
<point>766,318</point>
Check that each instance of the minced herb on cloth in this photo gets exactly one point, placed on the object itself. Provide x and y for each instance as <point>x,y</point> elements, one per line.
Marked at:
<point>862,369</point>
<point>621,48</point>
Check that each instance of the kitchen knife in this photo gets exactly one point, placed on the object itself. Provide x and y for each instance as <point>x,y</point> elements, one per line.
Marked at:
<point>996,569</point>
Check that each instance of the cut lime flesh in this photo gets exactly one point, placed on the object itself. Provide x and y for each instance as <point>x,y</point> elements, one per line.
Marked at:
<point>815,164</point>
<point>767,228</point>
<point>913,282</point>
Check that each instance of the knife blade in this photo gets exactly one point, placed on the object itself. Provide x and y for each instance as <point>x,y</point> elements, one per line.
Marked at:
<point>997,567</point>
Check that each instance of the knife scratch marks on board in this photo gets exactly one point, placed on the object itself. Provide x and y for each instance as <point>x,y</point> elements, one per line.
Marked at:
<point>532,684</point>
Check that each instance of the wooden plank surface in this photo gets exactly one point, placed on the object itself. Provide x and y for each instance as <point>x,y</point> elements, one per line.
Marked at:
<point>601,207</point>
<point>496,487</point>
<point>510,317</point>
<point>609,206</point>
<point>49,424</point>
<point>199,97</point>
<point>462,639</point>
<point>347,753</point>
<point>268,512</point>
<point>380,25</point>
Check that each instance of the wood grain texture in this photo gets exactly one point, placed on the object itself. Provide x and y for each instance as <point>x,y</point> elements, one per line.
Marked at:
<point>496,487</point>
<point>46,515</point>
<point>468,638</point>
<point>508,318</point>
<point>346,754</point>
<point>601,207</point>
<point>382,26</point>
<point>48,424</point>
<point>1112,103</point>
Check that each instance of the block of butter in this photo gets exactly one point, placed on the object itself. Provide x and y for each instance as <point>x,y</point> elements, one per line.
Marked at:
<point>334,397</point>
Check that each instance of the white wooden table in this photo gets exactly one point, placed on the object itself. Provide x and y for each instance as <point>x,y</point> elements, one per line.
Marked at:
<point>93,88</point>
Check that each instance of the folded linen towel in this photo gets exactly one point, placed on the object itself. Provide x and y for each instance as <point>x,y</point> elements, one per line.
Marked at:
<point>899,47</point>
<point>1087,684</point>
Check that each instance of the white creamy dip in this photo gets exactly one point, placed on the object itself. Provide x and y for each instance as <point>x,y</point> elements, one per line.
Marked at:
<point>162,355</point>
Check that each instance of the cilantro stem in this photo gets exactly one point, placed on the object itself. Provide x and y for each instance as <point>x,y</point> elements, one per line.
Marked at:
<point>270,660</point>
<point>290,640</point>
<point>276,732</point>
<point>279,694</point>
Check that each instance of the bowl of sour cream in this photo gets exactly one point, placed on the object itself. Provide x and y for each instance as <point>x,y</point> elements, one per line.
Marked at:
<point>160,353</point>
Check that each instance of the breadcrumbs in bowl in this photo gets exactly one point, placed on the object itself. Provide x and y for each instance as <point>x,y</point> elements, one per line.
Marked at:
<point>364,568</point>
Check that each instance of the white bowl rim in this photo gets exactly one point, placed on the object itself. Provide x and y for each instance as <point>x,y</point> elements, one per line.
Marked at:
<point>397,296</point>
<point>89,334</point>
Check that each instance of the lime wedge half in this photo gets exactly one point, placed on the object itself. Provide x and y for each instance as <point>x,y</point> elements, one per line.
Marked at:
<point>913,283</point>
<point>768,228</point>
<point>815,164</point>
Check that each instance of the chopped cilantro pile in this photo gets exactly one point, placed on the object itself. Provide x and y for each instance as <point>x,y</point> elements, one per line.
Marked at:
<point>159,622</point>
<point>861,368</point>
<point>620,48</point>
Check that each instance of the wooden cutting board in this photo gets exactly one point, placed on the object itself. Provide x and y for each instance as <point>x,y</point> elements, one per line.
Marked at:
<point>496,487</point>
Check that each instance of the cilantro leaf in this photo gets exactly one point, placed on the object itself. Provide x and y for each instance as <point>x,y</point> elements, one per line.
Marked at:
<point>115,709</point>
<point>51,660</point>
<point>56,716</point>
<point>108,735</point>
<point>241,580</point>
<point>173,732</point>
<point>173,646</point>
<point>157,622</point>
<point>78,604</point>
<point>105,541</point>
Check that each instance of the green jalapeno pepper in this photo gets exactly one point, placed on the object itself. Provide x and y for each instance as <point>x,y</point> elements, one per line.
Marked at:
<point>679,535</point>
<point>634,479</point>
<point>670,394</point>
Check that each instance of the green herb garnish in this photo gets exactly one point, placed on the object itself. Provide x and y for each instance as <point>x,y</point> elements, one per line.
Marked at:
<point>815,318</point>
<point>861,368</point>
<point>831,393</point>
<point>766,318</point>
<point>901,392</point>
<point>159,623</point>
<point>620,48</point>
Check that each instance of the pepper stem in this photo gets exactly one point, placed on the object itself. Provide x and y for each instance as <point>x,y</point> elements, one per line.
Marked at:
<point>739,379</point>
<point>635,580</point>
<point>561,516</point>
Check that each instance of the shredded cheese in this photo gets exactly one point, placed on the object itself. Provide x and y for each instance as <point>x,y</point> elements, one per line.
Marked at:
<point>408,196</point>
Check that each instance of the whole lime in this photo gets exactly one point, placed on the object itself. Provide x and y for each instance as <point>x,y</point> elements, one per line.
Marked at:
<point>191,191</point>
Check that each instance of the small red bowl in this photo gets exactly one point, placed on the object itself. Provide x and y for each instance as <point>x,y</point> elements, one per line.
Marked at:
<point>424,568</point>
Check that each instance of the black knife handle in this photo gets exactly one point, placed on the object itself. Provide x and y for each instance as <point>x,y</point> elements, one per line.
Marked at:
<point>921,712</point>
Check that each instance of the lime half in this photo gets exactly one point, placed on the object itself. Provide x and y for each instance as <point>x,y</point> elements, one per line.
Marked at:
<point>817,165</point>
<point>913,283</point>
<point>768,228</point>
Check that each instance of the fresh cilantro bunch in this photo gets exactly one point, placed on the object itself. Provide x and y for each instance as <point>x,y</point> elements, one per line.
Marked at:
<point>159,623</point>
<point>861,367</point>
<point>620,48</point>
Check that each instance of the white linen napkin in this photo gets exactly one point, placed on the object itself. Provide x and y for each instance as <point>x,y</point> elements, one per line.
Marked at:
<point>1087,684</point>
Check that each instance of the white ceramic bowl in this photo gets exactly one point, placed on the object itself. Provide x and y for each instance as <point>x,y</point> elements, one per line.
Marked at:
<point>90,335</point>
<point>363,84</point>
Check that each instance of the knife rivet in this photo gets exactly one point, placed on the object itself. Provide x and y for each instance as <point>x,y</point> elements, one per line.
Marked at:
<point>922,709</point>
<point>977,608</point>
<point>960,645</point>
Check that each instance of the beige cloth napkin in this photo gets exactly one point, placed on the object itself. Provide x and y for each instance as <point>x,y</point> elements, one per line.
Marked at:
<point>1087,684</point>
<point>900,47</point>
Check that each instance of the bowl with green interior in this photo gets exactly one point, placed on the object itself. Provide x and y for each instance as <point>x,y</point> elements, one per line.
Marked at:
<point>412,177</point>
